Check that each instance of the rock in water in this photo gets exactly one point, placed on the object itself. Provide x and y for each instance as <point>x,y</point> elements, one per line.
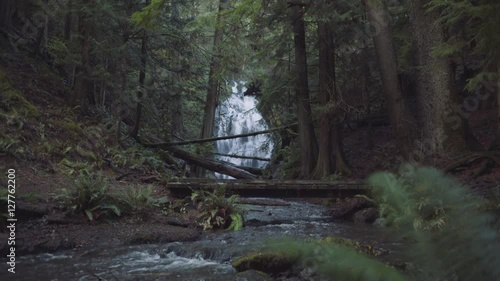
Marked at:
<point>252,275</point>
<point>368,215</point>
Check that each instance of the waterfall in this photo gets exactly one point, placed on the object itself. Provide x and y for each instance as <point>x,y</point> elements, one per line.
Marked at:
<point>239,115</point>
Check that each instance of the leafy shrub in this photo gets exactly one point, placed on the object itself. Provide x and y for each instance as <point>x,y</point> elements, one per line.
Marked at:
<point>136,157</point>
<point>137,199</point>
<point>89,195</point>
<point>217,211</point>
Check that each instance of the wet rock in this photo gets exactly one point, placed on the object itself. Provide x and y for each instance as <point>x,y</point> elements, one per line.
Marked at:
<point>380,222</point>
<point>368,215</point>
<point>346,209</point>
<point>271,263</point>
<point>252,275</point>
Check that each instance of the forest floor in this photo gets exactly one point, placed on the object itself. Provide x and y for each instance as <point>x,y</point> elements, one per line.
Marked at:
<point>53,230</point>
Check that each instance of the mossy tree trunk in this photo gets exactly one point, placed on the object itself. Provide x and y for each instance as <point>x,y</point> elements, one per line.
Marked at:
<point>307,139</point>
<point>386,56</point>
<point>177,116</point>
<point>330,151</point>
<point>207,130</point>
<point>441,127</point>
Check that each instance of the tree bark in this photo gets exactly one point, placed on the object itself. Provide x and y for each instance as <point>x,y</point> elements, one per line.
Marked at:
<point>177,117</point>
<point>213,78</point>
<point>140,94</point>
<point>495,90</point>
<point>83,90</point>
<point>207,130</point>
<point>5,14</point>
<point>387,62</point>
<point>441,127</point>
<point>307,139</point>
<point>325,164</point>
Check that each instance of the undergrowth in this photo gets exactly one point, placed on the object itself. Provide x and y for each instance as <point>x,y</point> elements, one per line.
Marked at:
<point>89,195</point>
<point>217,210</point>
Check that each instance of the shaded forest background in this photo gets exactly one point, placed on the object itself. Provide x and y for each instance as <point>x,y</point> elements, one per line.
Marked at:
<point>91,85</point>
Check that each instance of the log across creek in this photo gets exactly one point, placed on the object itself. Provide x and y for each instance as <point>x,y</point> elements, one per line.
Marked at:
<point>272,188</point>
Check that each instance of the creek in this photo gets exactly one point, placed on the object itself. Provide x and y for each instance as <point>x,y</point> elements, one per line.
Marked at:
<point>210,257</point>
<point>206,259</point>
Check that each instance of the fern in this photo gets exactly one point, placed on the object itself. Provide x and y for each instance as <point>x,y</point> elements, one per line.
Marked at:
<point>453,237</point>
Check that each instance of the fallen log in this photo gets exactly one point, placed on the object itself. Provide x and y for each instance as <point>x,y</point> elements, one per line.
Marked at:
<point>252,170</point>
<point>242,157</point>
<point>209,164</point>
<point>165,144</point>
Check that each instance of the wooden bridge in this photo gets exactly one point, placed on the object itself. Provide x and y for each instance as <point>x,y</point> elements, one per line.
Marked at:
<point>273,188</point>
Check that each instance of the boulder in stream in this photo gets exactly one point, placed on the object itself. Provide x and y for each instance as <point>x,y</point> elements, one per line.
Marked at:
<point>271,263</point>
<point>368,215</point>
<point>252,275</point>
<point>347,208</point>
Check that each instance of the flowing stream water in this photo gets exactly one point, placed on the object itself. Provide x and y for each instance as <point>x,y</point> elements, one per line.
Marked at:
<point>206,259</point>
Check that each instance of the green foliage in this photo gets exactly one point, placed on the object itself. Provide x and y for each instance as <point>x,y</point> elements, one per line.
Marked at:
<point>236,222</point>
<point>12,100</point>
<point>72,168</point>
<point>139,199</point>
<point>472,26</point>
<point>453,236</point>
<point>336,260</point>
<point>149,16</point>
<point>217,211</point>
<point>137,157</point>
<point>89,195</point>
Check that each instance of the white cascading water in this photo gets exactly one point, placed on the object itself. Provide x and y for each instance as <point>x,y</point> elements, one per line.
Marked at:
<point>239,115</point>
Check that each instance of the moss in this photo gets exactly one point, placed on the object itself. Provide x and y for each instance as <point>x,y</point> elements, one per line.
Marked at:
<point>367,249</point>
<point>268,262</point>
<point>72,127</point>
<point>12,100</point>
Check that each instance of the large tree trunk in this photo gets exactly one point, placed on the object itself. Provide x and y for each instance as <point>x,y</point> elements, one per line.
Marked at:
<point>441,127</point>
<point>494,89</point>
<point>177,118</point>
<point>326,89</point>
<point>207,130</point>
<point>386,56</point>
<point>140,93</point>
<point>5,14</point>
<point>213,78</point>
<point>83,89</point>
<point>331,155</point>
<point>307,140</point>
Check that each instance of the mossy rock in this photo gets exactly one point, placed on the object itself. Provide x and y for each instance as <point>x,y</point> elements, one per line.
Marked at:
<point>268,262</point>
<point>12,100</point>
<point>252,275</point>
<point>367,249</point>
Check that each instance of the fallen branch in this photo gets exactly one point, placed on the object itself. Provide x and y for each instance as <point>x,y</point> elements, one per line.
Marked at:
<point>165,144</point>
<point>242,157</point>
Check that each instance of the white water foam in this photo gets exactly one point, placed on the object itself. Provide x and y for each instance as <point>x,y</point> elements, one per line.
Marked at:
<point>239,115</point>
